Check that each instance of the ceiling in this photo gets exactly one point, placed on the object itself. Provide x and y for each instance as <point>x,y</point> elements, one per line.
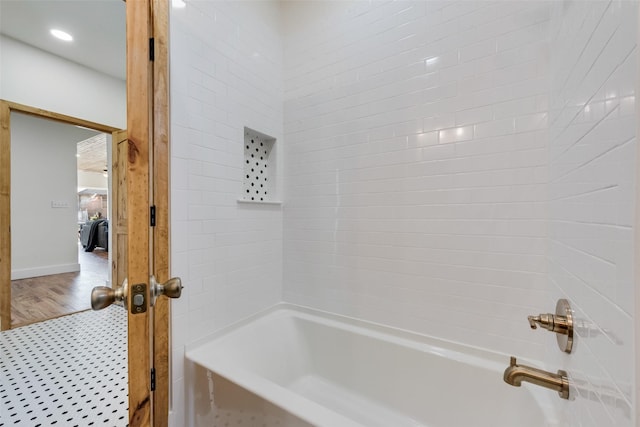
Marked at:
<point>99,31</point>
<point>92,154</point>
<point>98,28</point>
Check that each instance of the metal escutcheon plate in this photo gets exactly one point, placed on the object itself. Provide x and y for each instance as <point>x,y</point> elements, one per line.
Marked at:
<point>565,342</point>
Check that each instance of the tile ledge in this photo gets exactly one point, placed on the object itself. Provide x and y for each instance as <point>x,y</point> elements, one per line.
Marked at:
<point>260,202</point>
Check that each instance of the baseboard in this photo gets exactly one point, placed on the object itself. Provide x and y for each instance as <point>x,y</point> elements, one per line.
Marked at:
<point>47,270</point>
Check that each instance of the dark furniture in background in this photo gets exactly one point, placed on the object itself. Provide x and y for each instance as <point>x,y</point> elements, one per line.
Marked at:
<point>95,234</point>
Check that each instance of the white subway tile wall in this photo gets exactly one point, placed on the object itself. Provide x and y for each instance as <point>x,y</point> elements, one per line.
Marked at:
<point>592,167</point>
<point>416,165</point>
<point>226,73</point>
<point>450,167</point>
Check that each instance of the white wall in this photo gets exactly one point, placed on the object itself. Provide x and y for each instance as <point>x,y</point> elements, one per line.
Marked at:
<point>592,170</point>
<point>226,73</point>
<point>36,78</point>
<point>416,166</point>
<point>44,239</point>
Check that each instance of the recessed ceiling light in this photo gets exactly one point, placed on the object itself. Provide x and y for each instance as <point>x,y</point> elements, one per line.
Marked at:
<point>62,35</point>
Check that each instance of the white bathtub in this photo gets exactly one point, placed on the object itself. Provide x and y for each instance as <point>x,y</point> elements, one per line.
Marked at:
<point>333,371</point>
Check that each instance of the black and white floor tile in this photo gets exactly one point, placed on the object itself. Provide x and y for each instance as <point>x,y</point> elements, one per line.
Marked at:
<point>70,371</point>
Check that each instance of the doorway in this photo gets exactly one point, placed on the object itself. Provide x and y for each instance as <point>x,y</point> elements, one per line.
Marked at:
<point>59,216</point>
<point>45,349</point>
<point>45,244</point>
<point>146,89</point>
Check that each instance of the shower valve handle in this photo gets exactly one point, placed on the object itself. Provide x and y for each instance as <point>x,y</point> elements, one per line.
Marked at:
<point>561,323</point>
<point>549,322</point>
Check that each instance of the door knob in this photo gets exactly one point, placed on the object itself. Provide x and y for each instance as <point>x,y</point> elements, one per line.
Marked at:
<point>104,296</point>
<point>172,288</point>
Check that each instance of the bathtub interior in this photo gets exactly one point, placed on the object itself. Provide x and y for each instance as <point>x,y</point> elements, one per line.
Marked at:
<point>317,365</point>
<point>218,402</point>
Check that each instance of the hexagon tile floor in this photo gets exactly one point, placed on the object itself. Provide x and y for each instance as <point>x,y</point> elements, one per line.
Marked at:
<point>70,371</point>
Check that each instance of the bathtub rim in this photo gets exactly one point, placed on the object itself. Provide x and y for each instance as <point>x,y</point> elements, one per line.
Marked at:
<point>436,343</point>
<point>319,415</point>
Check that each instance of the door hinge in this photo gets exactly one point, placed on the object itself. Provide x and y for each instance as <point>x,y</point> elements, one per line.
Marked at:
<point>153,379</point>
<point>152,216</point>
<point>152,49</point>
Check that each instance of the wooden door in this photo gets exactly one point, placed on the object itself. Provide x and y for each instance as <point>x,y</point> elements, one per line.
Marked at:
<point>139,105</point>
<point>147,148</point>
<point>118,220</point>
<point>161,310</point>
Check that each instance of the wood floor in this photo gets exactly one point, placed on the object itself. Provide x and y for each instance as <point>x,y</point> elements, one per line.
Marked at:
<point>47,297</point>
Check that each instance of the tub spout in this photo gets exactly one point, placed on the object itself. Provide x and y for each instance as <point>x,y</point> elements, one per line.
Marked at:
<point>515,374</point>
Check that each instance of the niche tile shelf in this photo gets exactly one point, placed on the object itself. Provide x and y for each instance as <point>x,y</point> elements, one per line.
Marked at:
<point>259,168</point>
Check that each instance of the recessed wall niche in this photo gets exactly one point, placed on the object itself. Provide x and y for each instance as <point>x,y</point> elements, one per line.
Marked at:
<point>259,167</point>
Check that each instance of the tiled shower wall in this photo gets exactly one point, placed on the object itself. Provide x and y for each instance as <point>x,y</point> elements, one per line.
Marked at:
<point>226,73</point>
<point>441,174</point>
<point>592,169</point>
<point>416,166</point>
